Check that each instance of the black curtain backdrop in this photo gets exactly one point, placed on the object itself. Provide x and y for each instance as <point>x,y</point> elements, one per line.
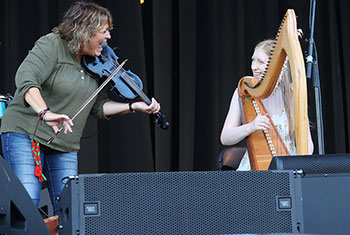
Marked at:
<point>190,55</point>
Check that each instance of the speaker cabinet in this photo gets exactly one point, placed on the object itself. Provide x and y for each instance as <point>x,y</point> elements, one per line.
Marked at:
<point>18,214</point>
<point>324,181</point>
<point>181,203</point>
<point>313,164</point>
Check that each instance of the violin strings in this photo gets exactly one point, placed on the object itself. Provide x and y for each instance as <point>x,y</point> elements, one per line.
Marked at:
<point>132,82</point>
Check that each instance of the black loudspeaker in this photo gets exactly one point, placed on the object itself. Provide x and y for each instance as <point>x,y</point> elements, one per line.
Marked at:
<point>217,202</point>
<point>313,164</point>
<point>18,214</point>
<point>325,189</point>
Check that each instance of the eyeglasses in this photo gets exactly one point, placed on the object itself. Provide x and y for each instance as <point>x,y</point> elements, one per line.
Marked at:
<point>104,32</point>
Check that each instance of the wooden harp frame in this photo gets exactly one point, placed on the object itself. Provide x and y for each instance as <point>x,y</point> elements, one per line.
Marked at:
<point>287,44</point>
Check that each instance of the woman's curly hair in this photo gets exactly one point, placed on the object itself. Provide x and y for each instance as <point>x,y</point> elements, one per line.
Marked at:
<point>80,22</point>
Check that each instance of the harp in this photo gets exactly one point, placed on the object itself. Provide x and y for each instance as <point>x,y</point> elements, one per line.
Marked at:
<point>262,144</point>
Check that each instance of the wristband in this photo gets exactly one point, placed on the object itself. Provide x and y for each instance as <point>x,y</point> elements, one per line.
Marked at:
<point>130,108</point>
<point>42,113</point>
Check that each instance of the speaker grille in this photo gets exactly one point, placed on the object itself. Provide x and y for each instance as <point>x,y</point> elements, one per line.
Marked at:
<point>315,164</point>
<point>187,202</point>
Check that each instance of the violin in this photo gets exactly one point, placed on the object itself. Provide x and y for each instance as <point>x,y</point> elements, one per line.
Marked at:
<point>124,83</point>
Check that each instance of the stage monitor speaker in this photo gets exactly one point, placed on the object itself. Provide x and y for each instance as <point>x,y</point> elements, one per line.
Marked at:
<point>217,202</point>
<point>313,164</point>
<point>18,214</point>
<point>325,190</point>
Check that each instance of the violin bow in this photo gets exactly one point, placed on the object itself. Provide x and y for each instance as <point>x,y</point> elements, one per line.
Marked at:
<point>88,100</point>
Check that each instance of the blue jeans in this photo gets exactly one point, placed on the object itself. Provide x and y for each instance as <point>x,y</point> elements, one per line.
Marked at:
<point>56,165</point>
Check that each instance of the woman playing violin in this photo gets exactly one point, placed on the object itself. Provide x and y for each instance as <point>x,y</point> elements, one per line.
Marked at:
<point>51,86</point>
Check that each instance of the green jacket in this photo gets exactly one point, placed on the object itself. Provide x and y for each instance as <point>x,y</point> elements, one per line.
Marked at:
<point>64,86</point>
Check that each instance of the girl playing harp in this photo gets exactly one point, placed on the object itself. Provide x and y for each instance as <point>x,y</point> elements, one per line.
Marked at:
<point>279,110</point>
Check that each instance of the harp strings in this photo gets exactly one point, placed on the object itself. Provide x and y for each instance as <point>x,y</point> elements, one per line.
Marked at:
<point>280,108</point>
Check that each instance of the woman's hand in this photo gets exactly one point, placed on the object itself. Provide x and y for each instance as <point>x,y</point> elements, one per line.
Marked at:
<point>261,122</point>
<point>35,100</point>
<point>54,119</point>
<point>153,108</point>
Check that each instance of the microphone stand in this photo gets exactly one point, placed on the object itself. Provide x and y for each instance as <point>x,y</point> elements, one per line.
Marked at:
<point>312,71</point>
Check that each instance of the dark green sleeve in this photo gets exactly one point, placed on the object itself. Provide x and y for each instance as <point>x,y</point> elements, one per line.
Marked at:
<point>37,66</point>
<point>97,109</point>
